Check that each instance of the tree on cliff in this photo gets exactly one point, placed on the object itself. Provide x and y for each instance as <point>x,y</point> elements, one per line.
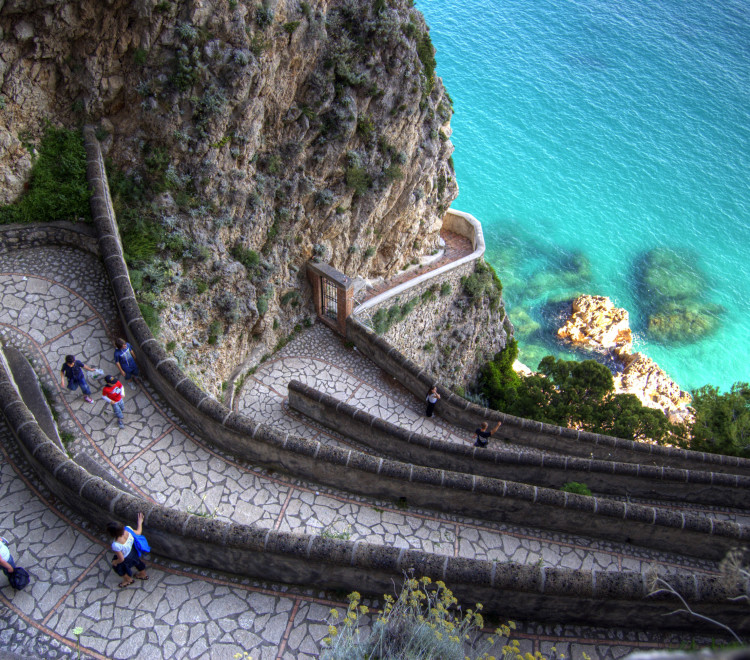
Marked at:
<point>722,421</point>
<point>569,393</point>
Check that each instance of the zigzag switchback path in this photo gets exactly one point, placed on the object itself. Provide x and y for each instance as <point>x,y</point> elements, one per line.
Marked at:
<point>56,300</point>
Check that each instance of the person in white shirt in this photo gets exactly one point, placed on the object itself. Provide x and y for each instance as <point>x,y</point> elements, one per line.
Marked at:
<point>7,563</point>
<point>126,554</point>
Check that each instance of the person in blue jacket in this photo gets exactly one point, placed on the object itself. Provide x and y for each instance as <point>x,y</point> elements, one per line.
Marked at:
<point>72,370</point>
<point>125,360</point>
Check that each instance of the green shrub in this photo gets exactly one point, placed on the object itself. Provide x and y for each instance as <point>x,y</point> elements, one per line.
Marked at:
<point>358,179</point>
<point>290,297</point>
<point>576,487</point>
<point>140,56</point>
<point>483,284</point>
<point>445,289</point>
<point>426,53</point>
<point>291,26</point>
<point>441,185</point>
<point>365,126</point>
<point>369,252</point>
<point>57,187</point>
<point>258,44</point>
<point>250,259</point>
<point>722,421</point>
<point>428,347</point>
<point>262,301</point>
<point>215,332</point>
<point>151,317</point>
<point>263,16</point>
<point>383,319</point>
<point>393,173</point>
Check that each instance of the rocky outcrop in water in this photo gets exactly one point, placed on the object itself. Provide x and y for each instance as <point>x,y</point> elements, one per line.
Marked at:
<point>597,324</point>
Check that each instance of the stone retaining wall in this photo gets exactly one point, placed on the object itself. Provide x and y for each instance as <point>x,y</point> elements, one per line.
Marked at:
<point>446,331</point>
<point>549,471</point>
<point>464,414</point>
<point>78,235</point>
<point>458,222</point>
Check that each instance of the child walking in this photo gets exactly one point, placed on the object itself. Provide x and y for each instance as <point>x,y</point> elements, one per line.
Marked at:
<point>72,370</point>
<point>114,393</point>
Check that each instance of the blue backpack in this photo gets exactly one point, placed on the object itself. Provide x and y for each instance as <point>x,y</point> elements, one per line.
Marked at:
<point>140,542</point>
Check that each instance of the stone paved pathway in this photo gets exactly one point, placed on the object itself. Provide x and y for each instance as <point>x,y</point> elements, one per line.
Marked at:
<point>56,301</point>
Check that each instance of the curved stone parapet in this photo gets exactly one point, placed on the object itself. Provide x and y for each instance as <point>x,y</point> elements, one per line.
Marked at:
<point>546,470</point>
<point>530,433</point>
<point>458,222</point>
<point>541,593</point>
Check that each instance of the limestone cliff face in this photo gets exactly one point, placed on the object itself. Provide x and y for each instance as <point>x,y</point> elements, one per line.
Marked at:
<point>289,128</point>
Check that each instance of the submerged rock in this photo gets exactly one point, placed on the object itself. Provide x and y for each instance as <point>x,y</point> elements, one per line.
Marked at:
<point>568,279</point>
<point>684,322</point>
<point>666,275</point>
<point>523,324</point>
<point>598,324</point>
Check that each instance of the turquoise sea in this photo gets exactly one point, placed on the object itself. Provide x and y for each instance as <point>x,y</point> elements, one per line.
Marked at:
<point>589,133</point>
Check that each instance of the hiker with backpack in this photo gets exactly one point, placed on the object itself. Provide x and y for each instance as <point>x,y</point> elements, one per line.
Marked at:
<point>128,544</point>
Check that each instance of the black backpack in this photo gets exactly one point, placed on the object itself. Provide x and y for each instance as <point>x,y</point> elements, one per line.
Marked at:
<point>19,578</point>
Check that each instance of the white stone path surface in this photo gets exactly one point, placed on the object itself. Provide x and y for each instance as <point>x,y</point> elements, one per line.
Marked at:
<point>56,301</point>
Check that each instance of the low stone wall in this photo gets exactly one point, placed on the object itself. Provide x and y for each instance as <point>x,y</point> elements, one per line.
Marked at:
<point>464,414</point>
<point>534,592</point>
<point>549,471</point>
<point>78,235</point>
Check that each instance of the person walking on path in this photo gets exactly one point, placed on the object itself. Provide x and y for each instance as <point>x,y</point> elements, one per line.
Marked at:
<point>72,370</point>
<point>432,398</point>
<point>114,393</point>
<point>483,435</point>
<point>125,360</point>
<point>7,563</point>
<point>126,554</point>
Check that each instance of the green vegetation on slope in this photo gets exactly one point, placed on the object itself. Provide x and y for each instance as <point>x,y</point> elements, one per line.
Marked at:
<point>568,393</point>
<point>57,188</point>
<point>722,421</point>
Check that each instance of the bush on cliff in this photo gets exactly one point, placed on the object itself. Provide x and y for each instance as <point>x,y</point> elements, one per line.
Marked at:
<point>57,188</point>
<point>569,393</point>
<point>482,284</point>
<point>722,421</point>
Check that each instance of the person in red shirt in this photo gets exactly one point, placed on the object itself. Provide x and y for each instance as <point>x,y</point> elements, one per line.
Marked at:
<point>114,393</point>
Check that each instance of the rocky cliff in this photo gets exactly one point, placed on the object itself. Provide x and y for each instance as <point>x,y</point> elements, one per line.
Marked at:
<point>596,323</point>
<point>261,133</point>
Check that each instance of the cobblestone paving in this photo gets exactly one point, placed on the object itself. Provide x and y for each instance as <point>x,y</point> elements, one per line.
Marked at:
<point>56,301</point>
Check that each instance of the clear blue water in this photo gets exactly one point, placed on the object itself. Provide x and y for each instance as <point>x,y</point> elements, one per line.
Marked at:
<point>599,131</point>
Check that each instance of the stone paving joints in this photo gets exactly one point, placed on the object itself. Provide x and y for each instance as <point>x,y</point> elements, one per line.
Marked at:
<point>298,504</point>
